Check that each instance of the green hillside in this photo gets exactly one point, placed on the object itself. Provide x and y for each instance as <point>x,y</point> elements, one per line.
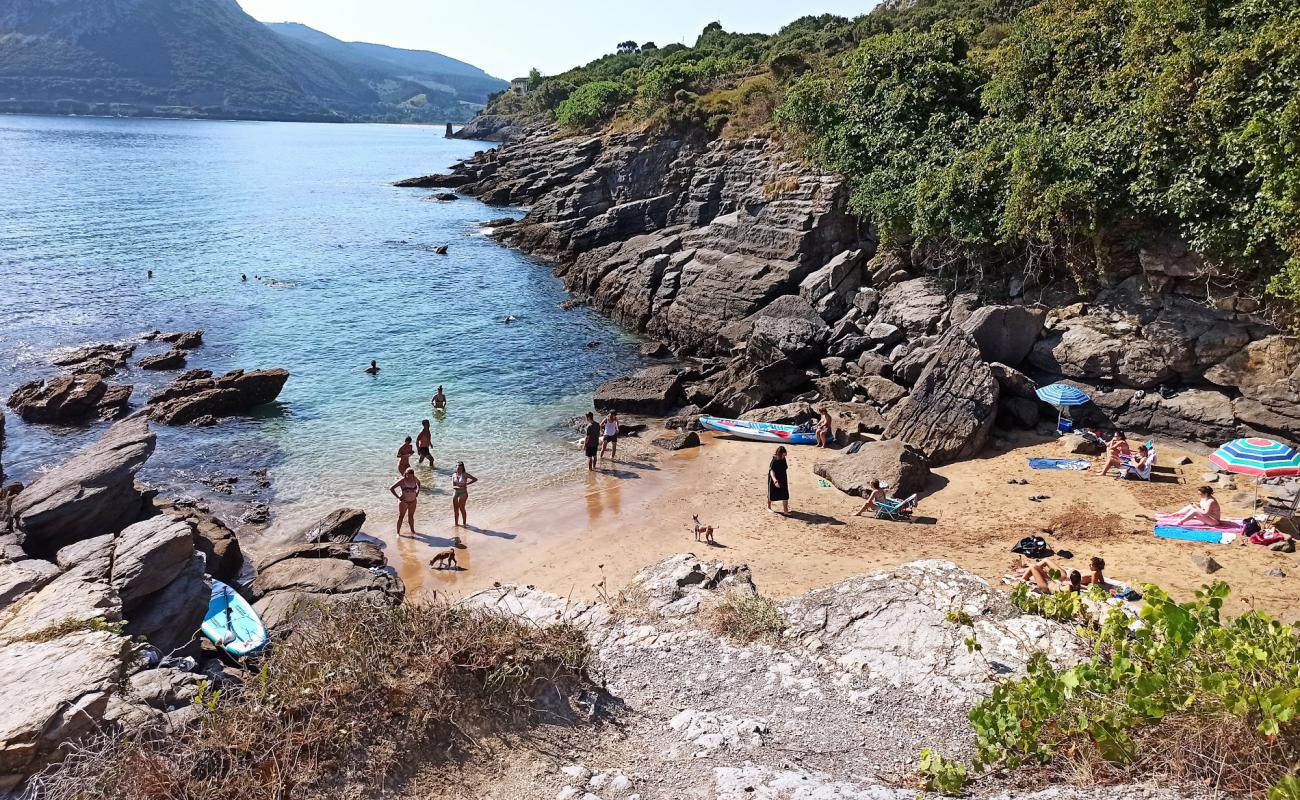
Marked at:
<point>1019,134</point>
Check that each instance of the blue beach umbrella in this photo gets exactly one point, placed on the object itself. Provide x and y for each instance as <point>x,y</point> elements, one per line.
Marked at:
<point>1062,395</point>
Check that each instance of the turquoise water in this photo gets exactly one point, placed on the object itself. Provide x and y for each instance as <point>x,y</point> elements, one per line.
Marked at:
<point>87,206</point>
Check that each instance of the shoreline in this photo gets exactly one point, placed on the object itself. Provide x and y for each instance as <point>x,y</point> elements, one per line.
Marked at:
<point>589,535</point>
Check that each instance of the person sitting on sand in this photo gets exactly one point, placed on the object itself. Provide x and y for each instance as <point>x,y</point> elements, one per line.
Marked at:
<point>439,400</point>
<point>1095,577</point>
<point>825,427</point>
<point>404,454</point>
<point>1116,451</point>
<point>424,443</point>
<point>410,491</point>
<point>373,369</point>
<point>874,497</point>
<point>1205,512</point>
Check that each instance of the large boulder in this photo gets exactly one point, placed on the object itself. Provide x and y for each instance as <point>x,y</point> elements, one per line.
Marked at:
<point>197,395</point>
<point>218,544</point>
<point>785,339</point>
<point>678,585</point>
<point>915,306</point>
<point>172,359</point>
<point>953,405</point>
<point>73,398</point>
<point>95,359</point>
<point>92,493</point>
<point>1267,373</point>
<point>170,617</point>
<point>900,466</point>
<point>795,413</point>
<point>54,690</point>
<point>339,525</point>
<point>1005,333</point>
<point>652,392</point>
<point>1090,349</point>
<point>831,289</point>
<point>149,555</point>
<point>19,578</point>
<point>892,629</point>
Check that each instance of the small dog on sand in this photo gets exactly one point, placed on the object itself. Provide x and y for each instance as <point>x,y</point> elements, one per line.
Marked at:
<point>447,558</point>
<point>703,530</point>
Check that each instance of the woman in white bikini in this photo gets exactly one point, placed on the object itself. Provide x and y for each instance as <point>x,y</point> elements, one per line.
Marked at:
<point>460,481</point>
<point>409,487</point>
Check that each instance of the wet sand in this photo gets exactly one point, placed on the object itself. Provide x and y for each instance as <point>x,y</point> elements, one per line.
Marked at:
<point>605,526</point>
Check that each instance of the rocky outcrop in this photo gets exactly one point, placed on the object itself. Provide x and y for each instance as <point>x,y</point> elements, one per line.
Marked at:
<point>490,128</point>
<point>900,467</point>
<point>197,395</point>
<point>223,557</point>
<point>172,359</point>
<point>149,555</point>
<point>340,525</point>
<point>103,360</point>
<point>652,391</point>
<point>74,398</point>
<point>734,254</point>
<point>1267,373</point>
<point>92,493</point>
<point>952,407</point>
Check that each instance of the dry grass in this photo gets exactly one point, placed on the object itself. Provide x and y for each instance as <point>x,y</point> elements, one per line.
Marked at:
<point>347,708</point>
<point>744,617</point>
<point>775,189</point>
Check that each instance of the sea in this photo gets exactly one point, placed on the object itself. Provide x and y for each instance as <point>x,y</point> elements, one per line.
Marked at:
<point>341,268</point>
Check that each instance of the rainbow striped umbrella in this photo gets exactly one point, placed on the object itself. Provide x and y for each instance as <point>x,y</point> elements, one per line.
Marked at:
<point>1263,458</point>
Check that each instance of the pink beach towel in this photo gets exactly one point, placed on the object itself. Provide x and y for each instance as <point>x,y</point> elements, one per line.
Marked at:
<point>1226,526</point>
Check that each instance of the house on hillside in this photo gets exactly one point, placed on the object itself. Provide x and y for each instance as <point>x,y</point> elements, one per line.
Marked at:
<point>519,85</point>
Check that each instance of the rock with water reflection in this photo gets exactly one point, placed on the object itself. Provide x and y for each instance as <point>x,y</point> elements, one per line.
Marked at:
<point>197,394</point>
<point>70,398</point>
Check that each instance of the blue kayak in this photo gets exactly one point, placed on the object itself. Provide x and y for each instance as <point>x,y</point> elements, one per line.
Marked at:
<point>231,623</point>
<point>759,431</point>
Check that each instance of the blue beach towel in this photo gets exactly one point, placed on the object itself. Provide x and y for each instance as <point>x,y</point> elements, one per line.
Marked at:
<point>1078,464</point>
<point>1195,534</point>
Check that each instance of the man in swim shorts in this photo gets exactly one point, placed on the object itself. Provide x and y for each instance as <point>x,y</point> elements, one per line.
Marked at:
<point>424,442</point>
<point>591,440</point>
<point>439,400</point>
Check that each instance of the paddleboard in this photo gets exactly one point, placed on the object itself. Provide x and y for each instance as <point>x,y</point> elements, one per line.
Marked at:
<point>231,623</point>
<point>759,431</point>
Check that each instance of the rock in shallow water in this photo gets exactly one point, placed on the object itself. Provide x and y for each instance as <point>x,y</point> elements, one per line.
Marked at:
<point>196,395</point>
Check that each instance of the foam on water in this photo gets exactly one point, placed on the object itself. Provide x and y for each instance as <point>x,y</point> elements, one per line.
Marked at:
<point>349,274</point>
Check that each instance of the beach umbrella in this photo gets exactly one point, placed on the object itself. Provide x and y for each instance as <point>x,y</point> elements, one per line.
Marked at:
<point>1262,458</point>
<point>1062,395</point>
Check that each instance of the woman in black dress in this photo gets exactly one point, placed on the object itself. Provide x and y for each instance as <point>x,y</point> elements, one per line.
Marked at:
<point>777,487</point>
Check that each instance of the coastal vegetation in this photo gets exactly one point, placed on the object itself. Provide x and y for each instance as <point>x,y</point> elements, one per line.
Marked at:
<point>1179,693</point>
<point>353,700</point>
<point>1057,133</point>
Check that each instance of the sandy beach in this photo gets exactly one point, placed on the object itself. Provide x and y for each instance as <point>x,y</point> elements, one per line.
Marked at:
<point>592,531</point>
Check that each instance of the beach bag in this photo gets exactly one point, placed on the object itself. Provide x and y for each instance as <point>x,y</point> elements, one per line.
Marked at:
<point>1251,526</point>
<point>1032,547</point>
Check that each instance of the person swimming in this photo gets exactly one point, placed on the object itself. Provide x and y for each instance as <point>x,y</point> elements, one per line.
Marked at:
<point>373,369</point>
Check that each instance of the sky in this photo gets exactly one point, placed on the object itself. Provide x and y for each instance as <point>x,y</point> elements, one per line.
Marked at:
<point>507,37</point>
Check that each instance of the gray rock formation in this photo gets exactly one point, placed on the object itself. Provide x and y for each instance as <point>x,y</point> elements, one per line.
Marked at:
<point>74,398</point>
<point>92,493</point>
<point>900,466</point>
<point>1267,373</point>
<point>149,555</point>
<point>339,525</point>
<point>170,618</point>
<point>1005,334</point>
<point>651,392</point>
<point>103,360</point>
<point>196,395</point>
<point>952,407</point>
<point>172,359</point>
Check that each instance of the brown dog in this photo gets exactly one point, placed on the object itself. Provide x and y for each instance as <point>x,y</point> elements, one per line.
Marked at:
<point>447,558</point>
<point>703,530</point>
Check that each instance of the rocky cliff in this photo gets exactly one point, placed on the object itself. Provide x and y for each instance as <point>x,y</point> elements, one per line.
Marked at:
<point>753,266</point>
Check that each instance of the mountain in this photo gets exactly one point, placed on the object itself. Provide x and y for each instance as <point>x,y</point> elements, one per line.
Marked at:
<point>207,58</point>
<point>432,70</point>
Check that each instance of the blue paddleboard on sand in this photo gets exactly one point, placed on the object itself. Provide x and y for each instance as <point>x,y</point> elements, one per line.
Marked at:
<point>231,623</point>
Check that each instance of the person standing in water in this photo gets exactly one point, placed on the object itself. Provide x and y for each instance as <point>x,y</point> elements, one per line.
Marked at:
<point>404,454</point>
<point>778,488</point>
<point>460,482</point>
<point>424,442</point>
<point>591,440</point>
<point>439,400</point>
<point>406,490</point>
<point>373,369</point>
<point>611,434</point>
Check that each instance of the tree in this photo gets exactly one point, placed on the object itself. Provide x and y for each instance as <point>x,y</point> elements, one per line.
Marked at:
<point>627,47</point>
<point>592,103</point>
<point>648,46</point>
<point>534,78</point>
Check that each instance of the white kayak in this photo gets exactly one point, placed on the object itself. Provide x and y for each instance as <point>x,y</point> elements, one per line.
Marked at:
<point>760,431</point>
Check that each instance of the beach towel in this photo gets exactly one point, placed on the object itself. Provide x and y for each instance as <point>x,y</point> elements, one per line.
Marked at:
<point>1060,463</point>
<point>1224,526</point>
<point>1212,536</point>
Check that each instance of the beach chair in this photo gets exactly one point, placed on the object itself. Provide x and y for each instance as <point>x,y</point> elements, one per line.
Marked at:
<point>1281,508</point>
<point>1130,464</point>
<point>896,510</point>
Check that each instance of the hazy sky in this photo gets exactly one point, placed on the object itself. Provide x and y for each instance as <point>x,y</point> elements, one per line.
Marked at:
<point>507,37</point>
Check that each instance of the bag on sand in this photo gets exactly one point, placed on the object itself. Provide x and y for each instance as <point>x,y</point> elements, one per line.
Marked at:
<point>1032,547</point>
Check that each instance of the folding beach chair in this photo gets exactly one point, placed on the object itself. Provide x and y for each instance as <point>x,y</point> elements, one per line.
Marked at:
<point>1130,464</point>
<point>896,510</point>
<point>1281,508</point>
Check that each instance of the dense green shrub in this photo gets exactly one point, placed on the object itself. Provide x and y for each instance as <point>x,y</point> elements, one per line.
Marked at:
<point>592,103</point>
